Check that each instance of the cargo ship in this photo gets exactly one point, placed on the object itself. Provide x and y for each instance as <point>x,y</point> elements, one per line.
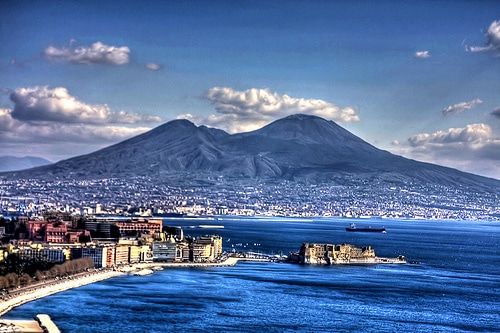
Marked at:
<point>354,228</point>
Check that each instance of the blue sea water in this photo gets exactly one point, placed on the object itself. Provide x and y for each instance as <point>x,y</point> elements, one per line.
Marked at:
<point>453,284</point>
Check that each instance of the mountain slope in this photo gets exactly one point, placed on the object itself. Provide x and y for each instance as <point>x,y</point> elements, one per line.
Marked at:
<point>12,163</point>
<point>295,147</point>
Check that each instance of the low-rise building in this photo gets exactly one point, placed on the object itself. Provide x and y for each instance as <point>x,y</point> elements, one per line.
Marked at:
<point>122,254</point>
<point>54,255</point>
<point>146,227</point>
<point>206,248</point>
<point>56,232</point>
<point>100,255</point>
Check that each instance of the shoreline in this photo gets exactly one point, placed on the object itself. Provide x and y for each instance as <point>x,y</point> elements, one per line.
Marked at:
<point>54,287</point>
<point>57,286</point>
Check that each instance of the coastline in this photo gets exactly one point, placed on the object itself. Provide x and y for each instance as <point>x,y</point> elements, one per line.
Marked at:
<point>54,287</point>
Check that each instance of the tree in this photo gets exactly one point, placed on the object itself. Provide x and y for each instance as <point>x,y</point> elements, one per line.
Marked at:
<point>25,279</point>
<point>13,280</point>
<point>39,276</point>
<point>4,283</point>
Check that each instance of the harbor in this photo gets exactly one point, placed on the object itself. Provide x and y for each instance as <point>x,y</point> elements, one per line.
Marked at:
<point>227,292</point>
<point>24,295</point>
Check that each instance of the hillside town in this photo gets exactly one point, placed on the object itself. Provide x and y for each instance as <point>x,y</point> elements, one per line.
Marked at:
<point>209,196</point>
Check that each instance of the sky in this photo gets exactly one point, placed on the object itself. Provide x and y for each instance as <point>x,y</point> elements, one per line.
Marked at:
<point>418,78</point>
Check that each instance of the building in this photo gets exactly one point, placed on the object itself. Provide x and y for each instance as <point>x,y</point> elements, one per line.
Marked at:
<point>122,254</point>
<point>77,236</point>
<point>36,230</point>
<point>56,232</point>
<point>53,255</point>
<point>146,253</point>
<point>102,256</point>
<point>311,253</point>
<point>135,253</point>
<point>221,210</point>
<point>135,228</point>
<point>206,248</point>
<point>100,228</point>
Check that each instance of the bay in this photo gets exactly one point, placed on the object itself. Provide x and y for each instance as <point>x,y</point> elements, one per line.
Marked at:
<point>452,284</point>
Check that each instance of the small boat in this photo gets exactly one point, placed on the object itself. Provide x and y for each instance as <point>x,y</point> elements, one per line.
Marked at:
<point>354,228</point>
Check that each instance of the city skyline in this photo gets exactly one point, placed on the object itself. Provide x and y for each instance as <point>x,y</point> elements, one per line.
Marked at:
<point>417,79</point>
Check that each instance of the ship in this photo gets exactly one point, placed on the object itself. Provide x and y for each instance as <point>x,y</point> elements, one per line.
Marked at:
<point>354,228</point>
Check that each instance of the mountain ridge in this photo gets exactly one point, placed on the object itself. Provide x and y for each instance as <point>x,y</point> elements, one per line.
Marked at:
<point>14,163</point>
<point>294,147</point>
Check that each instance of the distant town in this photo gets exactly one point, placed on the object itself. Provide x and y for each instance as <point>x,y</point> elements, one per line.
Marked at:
<point>211,196</point>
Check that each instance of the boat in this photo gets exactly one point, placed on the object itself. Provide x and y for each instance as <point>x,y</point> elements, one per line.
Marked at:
<point>354,228</point>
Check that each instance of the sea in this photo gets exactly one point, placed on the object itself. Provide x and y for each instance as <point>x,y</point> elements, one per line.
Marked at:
<point>451,283</point>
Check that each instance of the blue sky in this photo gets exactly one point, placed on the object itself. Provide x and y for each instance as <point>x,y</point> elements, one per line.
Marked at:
<point>352,57</point>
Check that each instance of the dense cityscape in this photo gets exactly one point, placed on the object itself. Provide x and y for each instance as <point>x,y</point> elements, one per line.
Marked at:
<point>144,196</point>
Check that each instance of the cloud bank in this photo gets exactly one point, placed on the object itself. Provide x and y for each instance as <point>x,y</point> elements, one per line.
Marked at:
<point>97,53</point>
<point>46,120</point>
<point>492,40</point>
<point>474,148</point>
<point>470,134</point>
<point>41,103</point>
<point>240,111</point>
<point>461,107</point>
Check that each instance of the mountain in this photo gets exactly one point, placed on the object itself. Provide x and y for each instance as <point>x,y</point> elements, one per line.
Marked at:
<point>12,163</point>
<point>295,147</point>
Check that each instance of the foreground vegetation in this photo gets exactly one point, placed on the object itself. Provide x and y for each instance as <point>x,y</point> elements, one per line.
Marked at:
<point>15,272</point>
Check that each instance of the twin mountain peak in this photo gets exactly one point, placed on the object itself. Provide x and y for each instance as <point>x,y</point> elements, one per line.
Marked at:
<point>295,147</point>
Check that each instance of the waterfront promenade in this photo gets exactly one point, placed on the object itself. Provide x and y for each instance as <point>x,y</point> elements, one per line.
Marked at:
<point>34,292</point>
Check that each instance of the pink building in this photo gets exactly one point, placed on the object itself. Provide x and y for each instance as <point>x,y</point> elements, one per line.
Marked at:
<point>36,230</point>
<point>56,233</point>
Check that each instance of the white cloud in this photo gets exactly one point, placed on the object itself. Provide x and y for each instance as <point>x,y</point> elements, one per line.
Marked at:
<point>97,53</point>
<point>6,121</point>
<point>470,134</point>
<point>240,111</point>
<point>474,148</point>
<point>41,103</point>
<point>15,131</point>
<point>422,54</point>
<point>460,107</point>
<point>492,40</point>
<point>153,67</point>
<point>52,123</point>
